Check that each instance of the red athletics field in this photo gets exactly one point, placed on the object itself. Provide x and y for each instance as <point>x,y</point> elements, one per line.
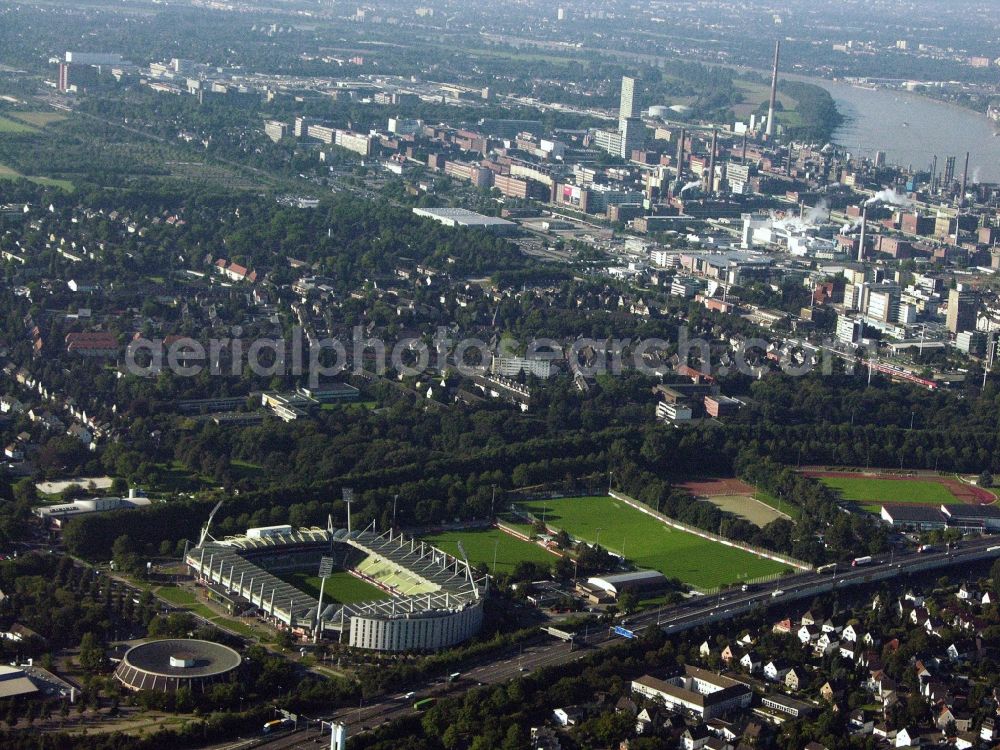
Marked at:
<point>915,488</point>
<point>712,487</point>
<point>737,497</point>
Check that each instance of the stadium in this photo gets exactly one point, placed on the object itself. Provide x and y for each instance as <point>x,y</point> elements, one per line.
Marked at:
<point>174,663</point>
<point>421,598</point>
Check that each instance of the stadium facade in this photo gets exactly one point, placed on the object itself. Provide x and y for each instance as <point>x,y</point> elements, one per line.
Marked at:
<point>431,600</point>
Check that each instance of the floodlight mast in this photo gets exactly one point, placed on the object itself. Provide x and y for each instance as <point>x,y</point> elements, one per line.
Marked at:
<point>208,523</point>
<point>468,570</point>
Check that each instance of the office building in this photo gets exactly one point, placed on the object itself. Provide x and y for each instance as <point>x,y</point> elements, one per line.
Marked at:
<point>961,310</point>
<point>848,330</point>
<point>275,130</point>
<point>633,136</point>
<point>696,692</point>
<point>883,304</point>
<point>94,58</point>
<point>511,367</point>
<point>626,107</point>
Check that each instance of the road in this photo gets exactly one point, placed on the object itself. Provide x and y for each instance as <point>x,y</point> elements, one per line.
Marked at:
<point>691,613</point>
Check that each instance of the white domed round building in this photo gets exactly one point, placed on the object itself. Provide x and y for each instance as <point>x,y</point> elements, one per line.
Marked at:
<point>169,664</point>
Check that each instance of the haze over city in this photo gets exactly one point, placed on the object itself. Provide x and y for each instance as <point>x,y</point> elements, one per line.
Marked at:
<point>463,376</point>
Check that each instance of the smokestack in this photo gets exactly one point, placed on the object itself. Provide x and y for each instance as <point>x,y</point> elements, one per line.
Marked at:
<point>744,159</point>
<point>680,153</point>
<point>769,132</point>
<point>864,233</point>
<point>711,164</point>
<point>965,184</point>
<point>934,175</point>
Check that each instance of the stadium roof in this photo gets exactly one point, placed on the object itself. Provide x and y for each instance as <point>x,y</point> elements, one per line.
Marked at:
<point>208,658</point>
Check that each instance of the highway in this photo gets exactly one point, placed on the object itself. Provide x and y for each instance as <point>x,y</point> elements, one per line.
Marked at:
<point>689,614</point>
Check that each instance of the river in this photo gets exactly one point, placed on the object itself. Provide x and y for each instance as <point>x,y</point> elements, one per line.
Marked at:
<point>911,129</point>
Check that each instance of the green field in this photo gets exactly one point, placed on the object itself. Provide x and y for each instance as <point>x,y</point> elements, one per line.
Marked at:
<point>39,119</point>
<point>650,544</point>
<point>341,587</point>
<point>6,173</point>
<point>13,126</point>
<point>870,492</point>
<point>479,547</point>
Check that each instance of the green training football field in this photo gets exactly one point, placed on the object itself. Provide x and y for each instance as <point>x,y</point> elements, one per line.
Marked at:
<point>871,492</point>
<point>648,543</point>
<point>479,547</point>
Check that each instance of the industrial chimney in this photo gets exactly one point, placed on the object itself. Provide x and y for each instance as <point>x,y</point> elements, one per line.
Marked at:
<point>680,153</point>
<point>965,183</point>
<point>711,164</point>
<point>864,233</point>
<point>769,132</point>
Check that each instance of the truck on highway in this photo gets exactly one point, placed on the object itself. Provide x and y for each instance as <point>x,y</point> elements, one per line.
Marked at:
<point>276,724</point>
<point>866,560</point>
<point>423,705</point>
<point>777,593</point>
<point>828,568</point>
<point>925,548</point>
<point>454,676</point>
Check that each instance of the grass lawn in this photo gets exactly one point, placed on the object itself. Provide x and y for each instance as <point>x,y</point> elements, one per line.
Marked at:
<point>39,119</point>
<point>13,126</point>
<point>6,173</point>
<point>525,528</point>
<point>651,544</point>
<point>871,491</point>
<point>479,547</point>
<point>176,595</point>
<point>341,587</point>
<point>782,507</point>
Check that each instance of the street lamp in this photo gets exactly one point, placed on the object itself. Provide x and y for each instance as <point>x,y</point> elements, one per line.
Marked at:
<point>394,499</point>
<point>597,542</point>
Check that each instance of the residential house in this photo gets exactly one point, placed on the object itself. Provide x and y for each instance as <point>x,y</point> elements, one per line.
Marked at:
<point>990,729</point>
<point>782,626</point>
<point>647,719</point>
<point>728,654</point>
<point>776,670</point>
<point>849,634</point>
<point>567,717</point>
<point>750,662</point>
<point>807,634</point>
<point>795,679</point>
<point>825,644</point>
<point>906,737</point>
<point>695,738</point>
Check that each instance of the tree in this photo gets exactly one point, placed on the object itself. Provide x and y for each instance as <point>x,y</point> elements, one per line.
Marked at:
<point>124,554</point>
<point>986,479</point>
<point>92,657</point>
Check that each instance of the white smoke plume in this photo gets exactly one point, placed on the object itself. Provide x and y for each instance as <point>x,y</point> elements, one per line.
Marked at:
<point>891,197</point>
<point>690,185</point>
<point>975,176</point>
<point>818,214</point>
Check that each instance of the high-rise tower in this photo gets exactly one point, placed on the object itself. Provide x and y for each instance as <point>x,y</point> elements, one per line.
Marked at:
<point>769,132</point>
